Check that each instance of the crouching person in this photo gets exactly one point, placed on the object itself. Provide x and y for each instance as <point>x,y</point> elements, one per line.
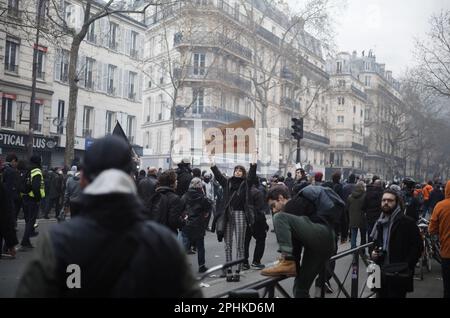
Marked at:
<point>110,250</point>
<point>297,219</point>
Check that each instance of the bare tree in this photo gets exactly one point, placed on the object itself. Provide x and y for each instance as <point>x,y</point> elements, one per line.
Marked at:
<point>433,55</point>
<point>56,25</point>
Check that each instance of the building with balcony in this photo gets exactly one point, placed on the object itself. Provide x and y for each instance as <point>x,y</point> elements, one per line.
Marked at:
<point>108,74</point>
<point>208,55</point>
<point>367,110</point>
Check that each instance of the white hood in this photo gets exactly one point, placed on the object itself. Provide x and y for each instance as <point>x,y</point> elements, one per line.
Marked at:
<point>111,181</point>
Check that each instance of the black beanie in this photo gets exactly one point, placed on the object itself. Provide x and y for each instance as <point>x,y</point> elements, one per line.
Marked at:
<point>110,152</point>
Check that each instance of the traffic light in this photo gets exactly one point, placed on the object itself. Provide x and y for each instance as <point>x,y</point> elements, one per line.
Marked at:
<point>298,128</point>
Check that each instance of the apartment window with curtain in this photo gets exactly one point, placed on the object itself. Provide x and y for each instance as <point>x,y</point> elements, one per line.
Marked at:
<point>113,31</point>
<point>134,52</point>
<point>88,121</point>
<point>12,54</point>
<point>40,67</point>
<point>13,8</point>
<point>132,86</point>
<point>110,84</point>
<point>8,112</point>
<point>90,36</point>
<point>110,120</point>
<point>61,113</point>
<point>198,100</point>
<point>199,64</point>
<point>38,115</point>
<point>130,128</point>
<point>89,73</point>
<point>339,67</point>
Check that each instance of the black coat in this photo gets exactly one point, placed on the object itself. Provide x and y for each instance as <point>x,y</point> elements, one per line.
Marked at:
<point>258,201</point>
<point>372,204</point>
<point>184,177</point>
<point>147,187</point>
<point>155,264</point>
<point>197,207</point>
<point>229,188</point>
<point>7,218</point>
<point>405,244</point>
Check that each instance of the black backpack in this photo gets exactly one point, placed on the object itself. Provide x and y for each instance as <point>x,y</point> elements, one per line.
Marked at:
<point>157,208</point>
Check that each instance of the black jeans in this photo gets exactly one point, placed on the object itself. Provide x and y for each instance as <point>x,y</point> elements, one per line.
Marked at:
<point>52,202</point>
<point>260,245</point>
<point>446,276</point>
<point>30,211</point>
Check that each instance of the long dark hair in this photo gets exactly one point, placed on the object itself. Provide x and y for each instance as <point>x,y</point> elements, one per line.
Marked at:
<point>242,168</point>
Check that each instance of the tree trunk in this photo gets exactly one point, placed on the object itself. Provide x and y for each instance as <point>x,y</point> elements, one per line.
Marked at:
<point>73,96</point>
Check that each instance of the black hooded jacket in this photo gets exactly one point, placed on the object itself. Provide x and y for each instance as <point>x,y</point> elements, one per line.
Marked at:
<point>197,207</point>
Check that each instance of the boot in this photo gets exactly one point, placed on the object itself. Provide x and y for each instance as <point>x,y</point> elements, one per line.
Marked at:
<point>284,267</point>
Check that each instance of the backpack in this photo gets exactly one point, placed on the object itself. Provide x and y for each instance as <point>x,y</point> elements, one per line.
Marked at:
<point>157,208</point>
<point>329,206</point>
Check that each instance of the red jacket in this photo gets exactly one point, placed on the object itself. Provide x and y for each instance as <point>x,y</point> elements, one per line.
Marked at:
<point>440,223</point>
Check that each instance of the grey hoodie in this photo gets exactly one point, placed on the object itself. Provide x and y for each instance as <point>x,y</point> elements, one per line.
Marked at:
<point>73,189</point>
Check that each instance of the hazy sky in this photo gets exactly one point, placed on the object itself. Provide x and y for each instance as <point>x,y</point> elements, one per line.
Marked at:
<point>388,27</point>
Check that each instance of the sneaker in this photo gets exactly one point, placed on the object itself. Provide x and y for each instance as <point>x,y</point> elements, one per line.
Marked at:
<point>258,265</point>
<point>283,268</point>
<point>202,269</point>
<point>229,276</point>
<point>246,266</point>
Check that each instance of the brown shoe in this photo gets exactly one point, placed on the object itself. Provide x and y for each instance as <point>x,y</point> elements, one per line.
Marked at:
<point>283,268</point>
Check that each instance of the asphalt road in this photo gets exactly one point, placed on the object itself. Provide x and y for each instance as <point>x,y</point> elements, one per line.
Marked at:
<point>431,287</point>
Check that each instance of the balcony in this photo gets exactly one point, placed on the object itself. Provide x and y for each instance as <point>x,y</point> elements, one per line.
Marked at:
<point>359,93</point>
<point>11,124</point>
<point>40,75</point>
<point>353,146</point>
<point>213,74</point>
<point>360,147</point>
<point>111,90</point>
<point>134,53</point>
<point>113,45</point>
<point>132,95</point>
<point>89,84</point>
<point>314,137</point>
<point>215,40</point>
<point>209,113</point>
<point>269,36</point>
<point>37,127</point>
<point>87,133</point>
<point>14,13</point>
<point>286,74</point>
<point>12,68</point>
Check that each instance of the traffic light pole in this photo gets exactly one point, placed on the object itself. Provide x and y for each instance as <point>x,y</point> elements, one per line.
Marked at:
<point>298,151</point>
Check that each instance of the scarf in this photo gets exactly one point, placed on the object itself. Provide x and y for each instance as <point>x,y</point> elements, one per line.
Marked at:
<point>385,222</point>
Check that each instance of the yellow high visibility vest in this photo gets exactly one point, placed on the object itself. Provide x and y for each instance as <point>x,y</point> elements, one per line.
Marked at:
<point>37,172</point>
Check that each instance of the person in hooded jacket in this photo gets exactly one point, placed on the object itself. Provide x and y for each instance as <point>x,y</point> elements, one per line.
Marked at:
<point>165,206</point>
<point>436,196</point>
<point>197,208</point>
<point>236,215</point>
<point>72,194</point>
<point>118,252</point>
<point>357,217</point>
<point>184,176</point>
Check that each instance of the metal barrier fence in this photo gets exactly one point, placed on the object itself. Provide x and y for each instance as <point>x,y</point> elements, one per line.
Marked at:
<point>270,284</point>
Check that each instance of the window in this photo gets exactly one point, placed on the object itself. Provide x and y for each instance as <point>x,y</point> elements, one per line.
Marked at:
<point>40,66</point>
<point>199,63</point>
<point>88,121</point>
<point>341,100</point>
<point>341,83</point>
<point>8,116</point>
<point>362,113</point>
<point>130,128</point>
<point>147,140</point>
<point>13,8</point>
<point>132,86</point>
<point>61,106</point>
<point>88,75</point>
<point>340,119</point>
<point>113,29</point>
<point>158,141</point>
<point>43,10</point>
<point>236,105</point>
<point>198,95</point>
<point>12,55</point>
<point>367,81</point>
<point>339,67</point>
<point>38,114</point>
<point>91,37</point>
<point>110,119</point>
<point>62,66</point>
<point>134,52</point>
<point>367,115</point>
<point>367,66</point>
<point>354,109</point>
<point>110,83</point>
